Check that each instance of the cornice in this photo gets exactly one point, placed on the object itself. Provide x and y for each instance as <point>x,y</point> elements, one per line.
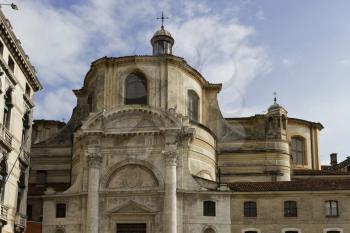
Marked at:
<point>15,47</point>
<point>156,60</point>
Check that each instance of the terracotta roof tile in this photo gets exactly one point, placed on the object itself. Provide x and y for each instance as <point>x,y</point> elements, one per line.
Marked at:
<point>295,185</point>
<point>318,172</point>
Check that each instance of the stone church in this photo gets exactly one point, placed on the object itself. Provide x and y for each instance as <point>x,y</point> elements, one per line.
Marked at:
<point>147,150</point>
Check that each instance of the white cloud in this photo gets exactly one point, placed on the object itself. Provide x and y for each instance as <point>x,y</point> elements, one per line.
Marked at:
<point>63,42</point>
<point>219,50</point>
<point>260,15</point>
<point>57,104</point>
<point>287,62</point>
<point>344,62</point>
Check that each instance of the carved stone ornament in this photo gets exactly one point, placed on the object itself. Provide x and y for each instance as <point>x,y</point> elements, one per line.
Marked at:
<point>94,160</point>
<point>170,153</point>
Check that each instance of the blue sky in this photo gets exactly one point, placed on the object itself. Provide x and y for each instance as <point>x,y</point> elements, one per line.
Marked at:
<point>299,49</point>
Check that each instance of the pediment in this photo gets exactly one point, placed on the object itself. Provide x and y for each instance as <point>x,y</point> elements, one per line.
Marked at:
<point>132,207</point>
<point>133,119</point>
<point>132,176</point>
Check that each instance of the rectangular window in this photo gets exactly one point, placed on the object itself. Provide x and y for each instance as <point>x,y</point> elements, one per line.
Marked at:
<point>250,209</point>
<point>11,64</point>
<point>290,209</point>
<point>27,91</point>
<point>29,212</point>
<point>298,150</point>
<point>1,48</point>
<point>41,177</point>
<point>60,210</point>
<point>331,208</point>
<point>209,208</point>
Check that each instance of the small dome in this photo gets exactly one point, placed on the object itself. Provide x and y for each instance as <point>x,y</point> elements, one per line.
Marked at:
<point>275,106</point>
<point>162,32</point>
<point>162,42</point>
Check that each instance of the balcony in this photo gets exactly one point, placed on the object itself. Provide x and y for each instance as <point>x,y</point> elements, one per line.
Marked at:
<point>20,222</point>
<point>5,137</point>
<point>3,214</point>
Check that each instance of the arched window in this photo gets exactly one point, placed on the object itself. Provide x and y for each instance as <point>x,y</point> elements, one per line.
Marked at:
<point>59,231</point>
<point>193,106</point>
<point>136,89</point>
<point>298,150</point>
<point>209,230</point>
<point>291,230</point>
<point>251,230</point>
<point>333,230</point>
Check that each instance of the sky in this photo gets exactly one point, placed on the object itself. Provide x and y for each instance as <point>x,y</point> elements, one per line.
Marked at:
<point>299,49</point>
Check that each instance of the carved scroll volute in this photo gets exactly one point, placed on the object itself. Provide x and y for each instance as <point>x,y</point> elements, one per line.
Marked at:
<point>170,154</point>
<point>93,157</point>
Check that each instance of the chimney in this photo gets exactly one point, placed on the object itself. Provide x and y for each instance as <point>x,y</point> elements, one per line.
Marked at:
<point>334,160</point>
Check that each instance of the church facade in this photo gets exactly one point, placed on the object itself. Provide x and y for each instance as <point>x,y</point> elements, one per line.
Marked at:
<point>147,150</point>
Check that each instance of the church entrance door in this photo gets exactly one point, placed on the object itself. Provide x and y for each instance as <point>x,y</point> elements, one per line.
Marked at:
<point>131,228</point>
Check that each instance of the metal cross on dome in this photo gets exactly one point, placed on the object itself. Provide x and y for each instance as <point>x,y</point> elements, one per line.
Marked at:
<point>275,99</point>
<point>162,18</point>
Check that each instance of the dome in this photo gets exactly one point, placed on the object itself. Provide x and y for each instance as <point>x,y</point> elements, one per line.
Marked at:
<point>162,32</point>
<point>275,106</point>
<point>162,42</point>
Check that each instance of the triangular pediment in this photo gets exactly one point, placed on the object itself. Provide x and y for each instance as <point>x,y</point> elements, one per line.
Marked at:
<point>131,207</point>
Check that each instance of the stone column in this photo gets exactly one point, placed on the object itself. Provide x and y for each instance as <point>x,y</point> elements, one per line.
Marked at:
<point>92,222</point>
<point>170,202</point>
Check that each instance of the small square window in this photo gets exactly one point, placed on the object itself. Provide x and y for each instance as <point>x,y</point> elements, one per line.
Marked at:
<point>290,209</point>
<point>250,209</point>
<point>60,210</point>
<point>209,208</point>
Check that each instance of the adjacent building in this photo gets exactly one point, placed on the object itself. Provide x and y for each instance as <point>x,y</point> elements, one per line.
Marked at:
<point>147,150</point>
<point>18,82</point>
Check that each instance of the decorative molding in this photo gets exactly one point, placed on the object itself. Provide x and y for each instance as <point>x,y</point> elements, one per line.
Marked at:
<point>116,167</point>
<point>170,154</point>
<point>94,161</point>
<point>94,158</point>
<point>15,47</point>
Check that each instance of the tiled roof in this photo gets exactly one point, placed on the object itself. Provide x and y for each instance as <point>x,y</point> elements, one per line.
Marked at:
<point>295,185</point>
<point>319,173</point>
